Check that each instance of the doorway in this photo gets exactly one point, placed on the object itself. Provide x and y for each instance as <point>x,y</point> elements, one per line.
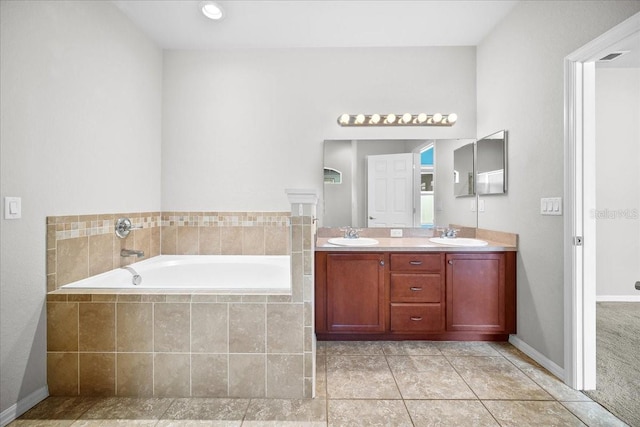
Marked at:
<point>580,196</point>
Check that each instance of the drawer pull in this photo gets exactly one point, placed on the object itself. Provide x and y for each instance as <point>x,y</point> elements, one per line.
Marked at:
<point>416,318</point>
<point>415,262</point>
<point>415,289</point>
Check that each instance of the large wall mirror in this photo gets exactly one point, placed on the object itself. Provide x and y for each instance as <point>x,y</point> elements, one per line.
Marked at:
<point>393,183</point>
<point>491,164</point>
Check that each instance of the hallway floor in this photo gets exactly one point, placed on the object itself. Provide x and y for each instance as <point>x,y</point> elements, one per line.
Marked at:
<point>368,383</point>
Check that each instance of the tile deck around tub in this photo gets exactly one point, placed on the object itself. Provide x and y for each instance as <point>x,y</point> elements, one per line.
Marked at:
<point>367,383</point>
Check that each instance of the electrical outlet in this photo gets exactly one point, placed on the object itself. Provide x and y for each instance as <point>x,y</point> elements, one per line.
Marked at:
<point>396,232</point>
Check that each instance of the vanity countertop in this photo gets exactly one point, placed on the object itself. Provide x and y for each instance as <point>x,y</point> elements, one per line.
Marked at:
<point>411,244</point>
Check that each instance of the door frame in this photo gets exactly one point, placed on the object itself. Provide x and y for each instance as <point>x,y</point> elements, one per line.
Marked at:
<point>579,189</point>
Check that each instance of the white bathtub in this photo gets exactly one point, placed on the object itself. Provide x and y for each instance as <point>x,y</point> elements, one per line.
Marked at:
<point>229,273</point>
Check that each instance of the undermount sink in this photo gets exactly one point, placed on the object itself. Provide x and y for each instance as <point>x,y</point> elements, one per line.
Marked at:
<point>360,241</point>
<point>458,241</point>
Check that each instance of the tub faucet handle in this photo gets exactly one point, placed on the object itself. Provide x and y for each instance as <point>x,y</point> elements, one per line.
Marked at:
<point>124,227</point>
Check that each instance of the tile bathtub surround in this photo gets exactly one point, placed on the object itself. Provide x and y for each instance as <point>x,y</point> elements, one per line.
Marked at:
<point>81,246</point>
<point>451,399</point>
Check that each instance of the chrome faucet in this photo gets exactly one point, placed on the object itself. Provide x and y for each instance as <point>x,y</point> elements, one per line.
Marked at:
<point>351,233</point>
<point>449,233</point>
<point>131,252</point>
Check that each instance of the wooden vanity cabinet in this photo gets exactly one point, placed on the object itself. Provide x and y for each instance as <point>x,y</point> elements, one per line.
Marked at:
<point>354,292</point>
<point>481,292</point>
<point>422,295</point>
<point>417,292</point>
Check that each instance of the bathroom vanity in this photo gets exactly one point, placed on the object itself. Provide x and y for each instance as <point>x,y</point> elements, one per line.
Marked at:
<point>404,289</point>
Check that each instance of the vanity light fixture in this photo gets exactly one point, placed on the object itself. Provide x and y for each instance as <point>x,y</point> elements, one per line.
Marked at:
<point>211,10</point>
<point>405,119</point>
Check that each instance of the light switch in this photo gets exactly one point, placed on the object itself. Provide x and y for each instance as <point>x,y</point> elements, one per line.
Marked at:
<point>12,207</point>
<point>551,206</point>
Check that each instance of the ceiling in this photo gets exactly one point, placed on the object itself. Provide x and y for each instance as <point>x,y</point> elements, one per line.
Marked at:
<point>179,24</point>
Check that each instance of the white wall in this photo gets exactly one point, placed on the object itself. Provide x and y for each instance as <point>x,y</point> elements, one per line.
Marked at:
<point>81,109</point>
<point>617,181</point>
<point>520,88</point>
<point>241,126</point>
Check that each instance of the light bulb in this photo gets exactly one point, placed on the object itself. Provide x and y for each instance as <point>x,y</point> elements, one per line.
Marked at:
<point>211,10</point>
<point>391,118</point>
<point>406,118</point>
<point>437,118</point>
<point>360,119</point>
<point>452,118</point>
<point>375,119</point>
<point>422,117</point>
<point>344,119</point>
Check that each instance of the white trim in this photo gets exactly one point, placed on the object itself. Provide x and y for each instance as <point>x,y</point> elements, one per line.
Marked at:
<point>579,294</point>
<point>543,360</point>
<point>23,405</point>
<point>617,298</point>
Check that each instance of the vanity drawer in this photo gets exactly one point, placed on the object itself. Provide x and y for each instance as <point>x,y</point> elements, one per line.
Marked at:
<point>416,317</point>
<point>417,262</point>
<point>411,287</point>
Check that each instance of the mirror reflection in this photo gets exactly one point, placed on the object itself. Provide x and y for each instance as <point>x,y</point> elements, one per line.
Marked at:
<point>463,184</point>
<point>491,164</point>
<point>392,183</point>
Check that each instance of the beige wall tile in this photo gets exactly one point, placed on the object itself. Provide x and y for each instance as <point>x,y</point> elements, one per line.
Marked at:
<point>209,241</point>
<point>134,374</point>
<point>209,375</point>
<point>97,326</point>
<point>168,238</point>
<point>51,261</point>
<point>171,375</point>
<point>171,327</point>
<point>73,260</point>
<point>134,326</point>
<point>187,242</point>
<point>51,236</point>
<point>100,253</point>
<point>142,241</point>
<point>155,241</point>
<point>276,240</point>
<point>284,328</point>
<point>284,375</point>
<point>247,328</point>
<point>246,375</point>
<point>97,374</point>
<point>209,325</point>
<point>62,374</point>
<point>253,240</point>
<point>231,240</point>
<point>62,326</point>
<point>296,238</point>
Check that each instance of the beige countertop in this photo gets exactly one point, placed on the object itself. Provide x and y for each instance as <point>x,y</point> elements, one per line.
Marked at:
<point>411,244</point>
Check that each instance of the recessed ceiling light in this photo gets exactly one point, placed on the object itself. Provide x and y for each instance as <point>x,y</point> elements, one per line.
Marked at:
<point>212,10</point>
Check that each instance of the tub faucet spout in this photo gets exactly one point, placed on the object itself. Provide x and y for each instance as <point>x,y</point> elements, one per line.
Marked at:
<point>131,252</point>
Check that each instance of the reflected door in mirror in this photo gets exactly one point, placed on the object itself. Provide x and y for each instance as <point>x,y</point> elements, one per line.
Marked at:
<point>390,190</point>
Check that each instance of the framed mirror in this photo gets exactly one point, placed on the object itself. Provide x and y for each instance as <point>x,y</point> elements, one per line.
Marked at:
<point>463,183</point>
<point>491,164</point>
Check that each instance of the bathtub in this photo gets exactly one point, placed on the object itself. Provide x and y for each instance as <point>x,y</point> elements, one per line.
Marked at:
<point>263,274</point>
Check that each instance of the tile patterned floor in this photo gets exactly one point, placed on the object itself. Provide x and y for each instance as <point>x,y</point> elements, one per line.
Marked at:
<point>367,384</point>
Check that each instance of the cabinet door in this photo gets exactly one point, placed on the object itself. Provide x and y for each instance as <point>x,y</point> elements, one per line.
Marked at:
<point>355,293</point>
<point>476,292</point>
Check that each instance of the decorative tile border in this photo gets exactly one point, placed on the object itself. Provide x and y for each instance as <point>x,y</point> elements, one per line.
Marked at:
<point>225,219</point>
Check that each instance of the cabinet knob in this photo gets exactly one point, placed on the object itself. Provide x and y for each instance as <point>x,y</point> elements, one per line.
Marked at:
<point>382,263</point>
<point>415,288</point>
<point>416,318</point>
<point>415,262</point>
<point>450,262</point>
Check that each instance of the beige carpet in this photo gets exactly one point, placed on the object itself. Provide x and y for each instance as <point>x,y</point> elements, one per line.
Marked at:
<point>618,360</point>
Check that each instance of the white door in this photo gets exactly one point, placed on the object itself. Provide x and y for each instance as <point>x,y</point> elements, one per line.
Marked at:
<point>390,190</point>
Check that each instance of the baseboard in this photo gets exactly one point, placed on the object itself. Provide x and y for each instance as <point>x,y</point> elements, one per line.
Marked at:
<point>23,405</point>
<point>543,360</point>
<point>617,298</point>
